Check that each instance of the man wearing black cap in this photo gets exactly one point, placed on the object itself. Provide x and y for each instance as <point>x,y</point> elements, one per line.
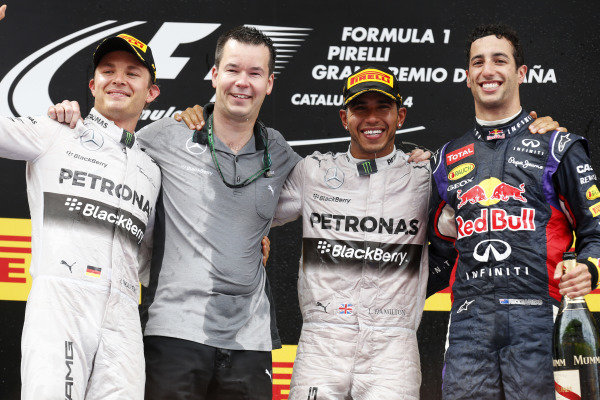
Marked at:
<point>363,271</point>
<point>91,195</point>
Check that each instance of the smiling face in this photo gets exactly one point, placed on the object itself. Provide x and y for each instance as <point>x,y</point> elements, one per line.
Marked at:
<point>242,80</point>
<point>494,78</point>
<point>372,119</point>
<point>121,87</point>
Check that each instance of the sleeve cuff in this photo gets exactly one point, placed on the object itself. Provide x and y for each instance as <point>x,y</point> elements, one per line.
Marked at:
<point>593,271</point>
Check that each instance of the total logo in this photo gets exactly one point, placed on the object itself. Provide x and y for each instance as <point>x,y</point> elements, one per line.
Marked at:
<point>491,191</point>
<point>496,220</point>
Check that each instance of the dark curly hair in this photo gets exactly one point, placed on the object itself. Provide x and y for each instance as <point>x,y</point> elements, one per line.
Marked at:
<point>500,31</point>
<point>246,35</point>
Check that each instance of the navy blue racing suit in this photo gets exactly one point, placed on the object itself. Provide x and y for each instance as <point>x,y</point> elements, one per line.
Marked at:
<point>505,205</point>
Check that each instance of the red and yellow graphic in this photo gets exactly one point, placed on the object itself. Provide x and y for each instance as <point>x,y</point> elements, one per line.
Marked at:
<point>491,191</point>
<point>370,75</point>
<point>460,171</point>
<point>15,258</point>
<point>459,154</point>
<point>595,209</point>
<point>135,42</point>
<point>93,271</point>
<point>592,193</point>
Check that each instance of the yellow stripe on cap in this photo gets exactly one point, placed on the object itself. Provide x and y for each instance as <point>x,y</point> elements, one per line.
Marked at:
<point>134,42</point>
<point>370,75</point>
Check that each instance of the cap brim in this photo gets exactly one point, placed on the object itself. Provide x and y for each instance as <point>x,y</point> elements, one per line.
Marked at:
<point>349,99</point>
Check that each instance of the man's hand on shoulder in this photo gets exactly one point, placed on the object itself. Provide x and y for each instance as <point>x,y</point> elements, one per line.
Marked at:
<point>419,155</point>
<point>544,124</point>
<point>192,116</point>
<point>67,112</point>
<point>575,283</point>
<point>2,11</point>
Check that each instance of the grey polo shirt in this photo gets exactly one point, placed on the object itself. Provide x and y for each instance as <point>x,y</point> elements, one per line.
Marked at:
<point>207,281</point>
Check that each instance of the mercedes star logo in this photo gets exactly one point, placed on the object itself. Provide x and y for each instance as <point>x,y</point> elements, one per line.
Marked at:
<point>334,177</point>
<point>500,250</point>
<point>91,140</point>
<point>531,143</point>
<point>194,148</point>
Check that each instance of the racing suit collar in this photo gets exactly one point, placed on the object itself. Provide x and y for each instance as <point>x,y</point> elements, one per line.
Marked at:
<point>503,130</point>
<point>260,134</point>
<point>109,128</point>
<point>382,162</point>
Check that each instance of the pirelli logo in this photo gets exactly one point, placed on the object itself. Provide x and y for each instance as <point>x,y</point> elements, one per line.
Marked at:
<point>371,75</point>
<point>135,42</point>
<point>15,258</point>
<point>595,209</point>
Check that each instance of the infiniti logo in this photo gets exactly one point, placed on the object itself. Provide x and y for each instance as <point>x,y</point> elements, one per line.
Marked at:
<point>498,248</point>
<point>194,148</point>
<point>334,177</point>
<point>531,143</point>
<point>91,140</point>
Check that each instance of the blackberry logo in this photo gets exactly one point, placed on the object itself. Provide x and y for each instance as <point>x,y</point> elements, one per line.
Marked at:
<point>323,246</point>
<point>73,204</point>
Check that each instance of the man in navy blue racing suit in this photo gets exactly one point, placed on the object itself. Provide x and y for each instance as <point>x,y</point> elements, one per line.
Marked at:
<point>505,205</point>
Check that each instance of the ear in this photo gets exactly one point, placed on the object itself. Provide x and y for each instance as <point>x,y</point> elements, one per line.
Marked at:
<point>270,84</point>
<point>92,86</point>
<point>153,93</point>
<point>213,72</point>
<point>344,118</point>
<point>401,115</point>
<point>522,71</point>
<point>468,82</point>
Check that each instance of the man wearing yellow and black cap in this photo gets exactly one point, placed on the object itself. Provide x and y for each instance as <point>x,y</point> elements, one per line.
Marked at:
<point>364,269</point>
<point>92,193</point>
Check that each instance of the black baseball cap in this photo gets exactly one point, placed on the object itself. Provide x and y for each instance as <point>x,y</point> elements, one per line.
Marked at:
<point>128,43</point>
<point>372,79</point>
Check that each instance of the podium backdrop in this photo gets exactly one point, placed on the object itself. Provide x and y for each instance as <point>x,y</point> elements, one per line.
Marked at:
<point>46,57</point>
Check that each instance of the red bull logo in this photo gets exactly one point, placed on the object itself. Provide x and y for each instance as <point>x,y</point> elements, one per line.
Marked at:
<point>495,134</point>
<point>370,75</point>
<point>491,191</point>
<point>496,220</point>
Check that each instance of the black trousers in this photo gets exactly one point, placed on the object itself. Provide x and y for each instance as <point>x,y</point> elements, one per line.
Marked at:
<point>178,369</point>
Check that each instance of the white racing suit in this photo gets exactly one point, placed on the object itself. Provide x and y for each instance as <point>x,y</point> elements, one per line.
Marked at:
<point>91,195</point>
<point>363,275</point>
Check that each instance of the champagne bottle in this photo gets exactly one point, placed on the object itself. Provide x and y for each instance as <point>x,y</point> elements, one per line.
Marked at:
<point>576,348</point>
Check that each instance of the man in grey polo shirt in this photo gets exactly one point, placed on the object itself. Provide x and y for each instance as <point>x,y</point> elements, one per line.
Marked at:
<point>207,312</point>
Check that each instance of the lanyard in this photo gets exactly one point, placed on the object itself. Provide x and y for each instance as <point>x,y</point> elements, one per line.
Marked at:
<point>264,170</point>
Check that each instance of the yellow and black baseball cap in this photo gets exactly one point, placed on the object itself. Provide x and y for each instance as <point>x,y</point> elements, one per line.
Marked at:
<point>128,43</point>
<point>372,79</point>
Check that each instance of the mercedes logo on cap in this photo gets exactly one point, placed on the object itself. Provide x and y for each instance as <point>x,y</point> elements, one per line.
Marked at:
<point>194,148</point>
<point>334,177</point>
<point>499,249</point>
<point>91,140</point>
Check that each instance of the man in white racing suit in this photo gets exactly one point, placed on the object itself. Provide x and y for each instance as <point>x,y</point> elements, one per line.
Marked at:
<point>91,194</point>
<point>363,272</point>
